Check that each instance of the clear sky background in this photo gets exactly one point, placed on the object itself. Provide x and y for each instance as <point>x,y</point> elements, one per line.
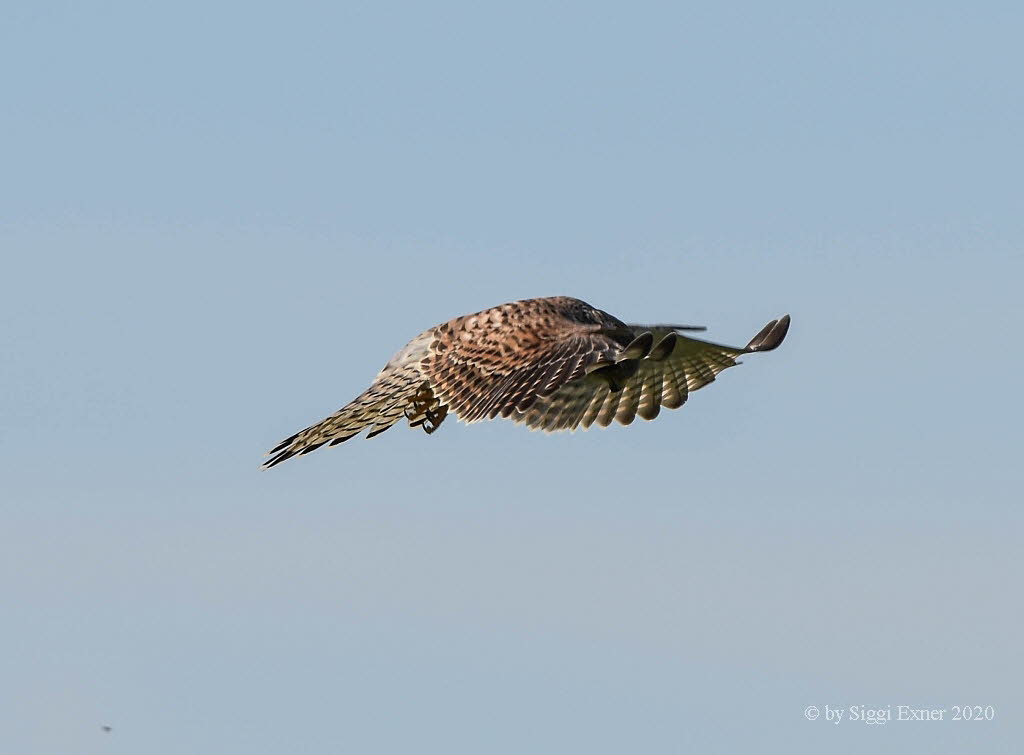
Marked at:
<point>218,221</point>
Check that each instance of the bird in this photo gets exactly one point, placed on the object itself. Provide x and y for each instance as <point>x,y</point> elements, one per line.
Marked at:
<point>552,364</point>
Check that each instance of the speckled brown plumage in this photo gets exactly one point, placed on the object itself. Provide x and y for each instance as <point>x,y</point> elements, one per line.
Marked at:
<point>553,364</point>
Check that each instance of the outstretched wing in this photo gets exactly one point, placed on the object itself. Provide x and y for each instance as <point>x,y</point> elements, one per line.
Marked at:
<point>674,367</point>
<point>377,408</point>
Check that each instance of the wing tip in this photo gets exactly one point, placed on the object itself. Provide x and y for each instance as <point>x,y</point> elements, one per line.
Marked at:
<point>277,459</point>
<point>770,336</point>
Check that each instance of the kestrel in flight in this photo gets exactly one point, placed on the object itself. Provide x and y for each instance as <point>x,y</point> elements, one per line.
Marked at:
<point>553,364</point>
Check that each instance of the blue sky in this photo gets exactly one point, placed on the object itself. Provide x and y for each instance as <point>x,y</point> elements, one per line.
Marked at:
<point>219,221</point>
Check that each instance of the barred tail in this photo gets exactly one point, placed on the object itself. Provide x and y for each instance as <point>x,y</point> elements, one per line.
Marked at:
<point>377,408</point>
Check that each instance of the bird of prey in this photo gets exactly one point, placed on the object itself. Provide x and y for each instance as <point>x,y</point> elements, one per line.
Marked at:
<point>553,364</point>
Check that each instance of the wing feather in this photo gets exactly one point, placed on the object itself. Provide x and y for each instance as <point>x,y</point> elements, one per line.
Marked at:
<point>662,379</point>
<point>377,408</point>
